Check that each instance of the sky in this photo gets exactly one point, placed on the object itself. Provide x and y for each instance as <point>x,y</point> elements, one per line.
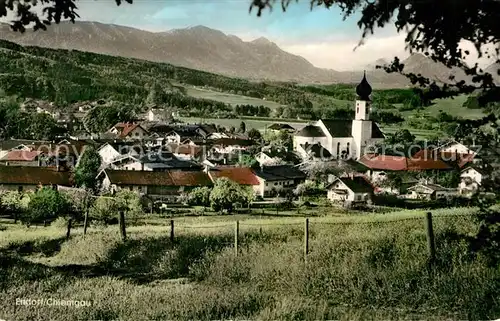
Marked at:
<point>321,36</point>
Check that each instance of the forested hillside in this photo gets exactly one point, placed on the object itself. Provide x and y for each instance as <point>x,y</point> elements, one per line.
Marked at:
<point>68,76</point>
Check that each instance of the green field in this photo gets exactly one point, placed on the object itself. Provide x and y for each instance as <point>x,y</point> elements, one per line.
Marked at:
<point>452,106</point>
<point>229,98</point>
<point>359,267</point>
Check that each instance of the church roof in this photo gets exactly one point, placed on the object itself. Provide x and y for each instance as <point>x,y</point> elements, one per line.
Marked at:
<point>338,127</point>
<point>311,131</point>
<point>343,128</point>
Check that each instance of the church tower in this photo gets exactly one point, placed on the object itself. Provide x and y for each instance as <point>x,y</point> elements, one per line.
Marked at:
<point>362,125</point>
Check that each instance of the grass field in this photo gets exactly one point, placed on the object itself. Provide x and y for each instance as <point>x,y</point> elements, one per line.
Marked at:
<point>229,98</point>
<point>360,267</point>
<point>452,106</point>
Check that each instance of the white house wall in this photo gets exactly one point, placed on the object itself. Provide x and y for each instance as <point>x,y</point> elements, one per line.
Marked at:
<point>108,154</point>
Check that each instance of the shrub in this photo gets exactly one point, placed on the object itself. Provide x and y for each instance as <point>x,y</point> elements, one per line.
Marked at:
<point>200,196</point>
<point>227,193</point>
<point>45,204</point>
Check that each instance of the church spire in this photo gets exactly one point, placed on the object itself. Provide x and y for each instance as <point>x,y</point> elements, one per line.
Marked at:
<point>364,89</point>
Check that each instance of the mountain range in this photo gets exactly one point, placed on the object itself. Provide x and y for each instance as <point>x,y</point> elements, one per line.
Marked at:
<point>211,50</point>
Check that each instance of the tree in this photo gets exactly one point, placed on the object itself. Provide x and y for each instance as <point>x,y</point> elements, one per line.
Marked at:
<point>200,196</point>
<point>254,134</point>
<point>87,169</point>
<point>226,194</point>
<point>243,127</point>
<point>104,209</point>
<point>129,202</point>
<point>247,161</point>
<point>16,203</point>
<point>45,204</point>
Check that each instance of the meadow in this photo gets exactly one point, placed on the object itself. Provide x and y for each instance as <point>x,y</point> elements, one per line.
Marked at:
<point>360,267</point>
<point>228,98</point>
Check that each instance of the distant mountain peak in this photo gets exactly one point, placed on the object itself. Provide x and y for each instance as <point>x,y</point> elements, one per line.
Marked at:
<point>262,41</point>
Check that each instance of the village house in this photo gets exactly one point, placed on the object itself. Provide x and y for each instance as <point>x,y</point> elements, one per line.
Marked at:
<point>274,180</point>
<point>129,130</point>
<point>428,192</point>
<point>277,127</point>
<point>230,145</point>
<point>344,138</point>
<point>264,159</point>
<point>352,190</point>
<point>186,151</point>
<point>154,161</point>
<point>116,150</point>
<point>379,165</point>
<point>165,185</point>
<point>28,178</point>
<point>32,158</point>
<point>241,175</point>
<point>471,179</point>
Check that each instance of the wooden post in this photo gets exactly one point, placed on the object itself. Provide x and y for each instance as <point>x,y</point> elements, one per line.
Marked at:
<point>306,239</point>
<point>260,230</point>
<point>68,232</point>
<point>431,245</point>
<point>236,232</point>
<point>172,231</point>
<point>85,221</point>
<point>121,219</point>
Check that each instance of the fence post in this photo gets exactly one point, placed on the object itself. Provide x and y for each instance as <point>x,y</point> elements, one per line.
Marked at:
<point>236,232</point>
<point>306,239</point>
<point>172,231</point>
<point>85,221</point>
<point>68,232</point>
<point>121,220</point>
<point>431,245</point>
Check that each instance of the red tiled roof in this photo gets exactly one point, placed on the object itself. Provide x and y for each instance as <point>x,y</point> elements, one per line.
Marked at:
<point>168,178</point>
<point>127,128</point>
<point>240,175</point>
<point>384,162</point>
<point>21,155</point>
<point>461,159</point>
<point>183,178</point>
<point>28,175</point>
<point>401,163</point>
<point>426,164</point>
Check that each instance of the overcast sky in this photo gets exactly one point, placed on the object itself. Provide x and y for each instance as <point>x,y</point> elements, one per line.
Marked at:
<point>320,35</point>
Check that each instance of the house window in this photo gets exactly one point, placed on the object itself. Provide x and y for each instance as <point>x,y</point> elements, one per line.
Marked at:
<point>357,110</point>
<point>136,134</point>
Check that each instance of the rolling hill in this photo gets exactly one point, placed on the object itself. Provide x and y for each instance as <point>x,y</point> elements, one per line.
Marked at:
<point>209,50</point>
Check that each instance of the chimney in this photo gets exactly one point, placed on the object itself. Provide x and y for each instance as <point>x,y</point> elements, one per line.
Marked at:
<point>58,168</point>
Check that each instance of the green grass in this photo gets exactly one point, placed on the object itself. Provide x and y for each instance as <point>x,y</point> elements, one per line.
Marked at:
<point>419,133</point>
<point>229,98</point>
<point>360,267</point>
<point>452,106</point>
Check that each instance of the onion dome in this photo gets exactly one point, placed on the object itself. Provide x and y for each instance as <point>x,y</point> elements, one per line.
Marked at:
<point>364,89</point>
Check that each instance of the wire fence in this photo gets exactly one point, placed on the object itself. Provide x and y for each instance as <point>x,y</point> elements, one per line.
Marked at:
<point>306,223</point>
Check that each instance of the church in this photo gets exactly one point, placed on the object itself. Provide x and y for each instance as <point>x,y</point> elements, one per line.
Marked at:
<point>337,138</point>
